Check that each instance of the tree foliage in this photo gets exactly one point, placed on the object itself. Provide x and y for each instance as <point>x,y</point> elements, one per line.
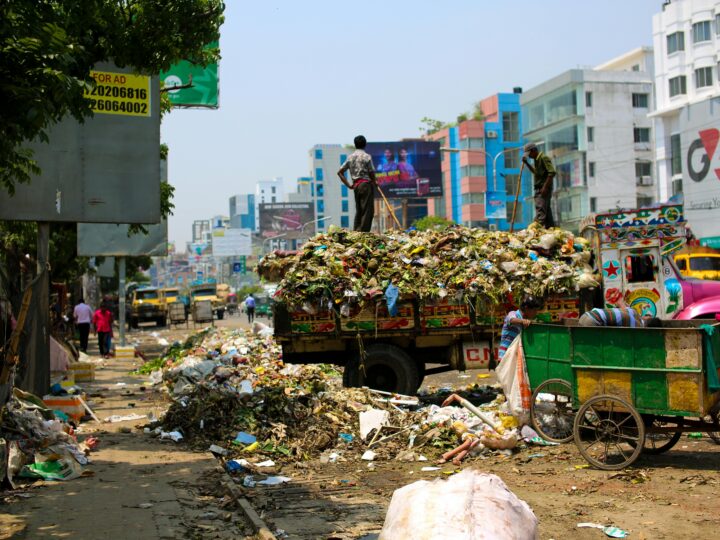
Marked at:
<point>48,47</point>
<point>432,222</point>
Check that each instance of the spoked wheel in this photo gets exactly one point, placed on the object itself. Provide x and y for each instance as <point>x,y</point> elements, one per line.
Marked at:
<point>657,443</point>
<point>609,432</point>
<point>551,411</point>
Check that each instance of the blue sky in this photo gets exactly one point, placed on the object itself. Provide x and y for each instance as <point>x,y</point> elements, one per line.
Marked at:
<point>294,74</point>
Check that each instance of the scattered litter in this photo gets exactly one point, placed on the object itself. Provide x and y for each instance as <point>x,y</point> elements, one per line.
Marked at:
<point>126,418</point>
<point>369,455</point>
<point>612,532</point>
<point>218,450</point>
<point>245,438</point>
<point>430,469</point>
<point>267,463</point>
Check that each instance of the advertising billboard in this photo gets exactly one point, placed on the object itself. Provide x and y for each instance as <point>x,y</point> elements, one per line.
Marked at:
<point>495,207</point>
<point>231,242</point>
<point>286,220</point>
<point>201,82</point>
<point>407,169</point>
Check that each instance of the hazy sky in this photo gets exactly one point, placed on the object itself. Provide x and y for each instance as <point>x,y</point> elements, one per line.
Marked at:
<point>298,73</point>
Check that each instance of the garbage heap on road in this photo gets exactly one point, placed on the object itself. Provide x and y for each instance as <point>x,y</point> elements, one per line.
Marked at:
<point>37,442</point>
<point>350,268</point>
<point>232,393</point>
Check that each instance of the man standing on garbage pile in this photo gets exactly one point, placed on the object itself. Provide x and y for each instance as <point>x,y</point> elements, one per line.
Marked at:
<point>362,175</point>
<point>83,317</point>
<point>250,308</point>
<point>516,320</point>
<point>621,315</point>
<point>543,173</point>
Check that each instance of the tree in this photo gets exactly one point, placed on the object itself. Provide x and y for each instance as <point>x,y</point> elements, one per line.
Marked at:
<point>48,47</point>
<point>432,223</point>
<point>431,126</point>
<point>478,112</point>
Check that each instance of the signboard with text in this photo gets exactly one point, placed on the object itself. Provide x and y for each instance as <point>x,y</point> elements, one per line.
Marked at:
<point>407,169</point>
<point>231,242</point>
<point>202,81</point>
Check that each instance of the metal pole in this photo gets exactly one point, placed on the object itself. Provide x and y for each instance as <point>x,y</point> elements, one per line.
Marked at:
<point>121,299</point>
<point>42,359</point>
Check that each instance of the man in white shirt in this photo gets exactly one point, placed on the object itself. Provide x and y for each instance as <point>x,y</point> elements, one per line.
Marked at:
<point>362,174</point>
<point>83,317</point>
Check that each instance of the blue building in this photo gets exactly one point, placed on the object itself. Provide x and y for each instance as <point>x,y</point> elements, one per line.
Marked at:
<point>242,212</point>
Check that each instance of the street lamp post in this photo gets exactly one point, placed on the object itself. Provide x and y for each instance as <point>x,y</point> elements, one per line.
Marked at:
<point>481,151</point>
<point>302,230</point>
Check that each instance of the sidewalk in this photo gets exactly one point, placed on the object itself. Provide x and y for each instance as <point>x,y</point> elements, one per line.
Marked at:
<point>142,488</point>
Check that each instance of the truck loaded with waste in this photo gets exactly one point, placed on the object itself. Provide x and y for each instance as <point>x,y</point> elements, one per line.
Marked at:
<point>386,306</point>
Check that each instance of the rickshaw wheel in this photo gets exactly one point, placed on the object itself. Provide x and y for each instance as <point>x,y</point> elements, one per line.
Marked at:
<point>657,443</point>
<point>553,420</point>
<point>609,432</point>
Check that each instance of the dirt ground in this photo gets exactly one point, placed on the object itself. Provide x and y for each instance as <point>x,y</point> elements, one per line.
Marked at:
<point>143,488</point>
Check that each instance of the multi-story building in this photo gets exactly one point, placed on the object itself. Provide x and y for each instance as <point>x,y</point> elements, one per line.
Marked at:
<point>303,193</point>
<point>268,191</point>
<point>331,198</point>
<point>242,211</point>
<point>481,165</point>
<point>686,38</point>
<point>593,123</point>
<point>199,228</point>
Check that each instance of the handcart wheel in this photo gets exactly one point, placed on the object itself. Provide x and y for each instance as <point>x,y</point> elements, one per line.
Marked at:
<point>657,443</point>
<point>609,432</point>
<point>715,435</point>
<point>551,411</point>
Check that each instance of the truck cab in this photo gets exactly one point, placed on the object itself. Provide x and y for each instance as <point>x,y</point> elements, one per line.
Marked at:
<point>699,263</point>
<point>148,305</point>
<point>637,253</point>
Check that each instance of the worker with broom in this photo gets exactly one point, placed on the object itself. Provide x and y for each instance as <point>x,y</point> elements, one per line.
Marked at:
<point>362,175</point>
<point>543,173</point>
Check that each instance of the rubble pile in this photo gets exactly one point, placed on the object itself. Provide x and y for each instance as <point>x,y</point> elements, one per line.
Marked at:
<point>346,267</point>
<point>232,392</point>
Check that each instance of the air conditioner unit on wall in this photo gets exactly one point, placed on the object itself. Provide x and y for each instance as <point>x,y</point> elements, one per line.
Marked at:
<point>492,134</point>
<point>492,227</point>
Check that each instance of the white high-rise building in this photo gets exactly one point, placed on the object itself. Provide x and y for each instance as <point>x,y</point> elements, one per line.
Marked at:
<point>331,198</point>
<point>686,38</point>
<point>268,191</point>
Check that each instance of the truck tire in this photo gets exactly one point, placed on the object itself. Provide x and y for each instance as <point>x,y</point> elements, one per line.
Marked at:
<point>387,368</point>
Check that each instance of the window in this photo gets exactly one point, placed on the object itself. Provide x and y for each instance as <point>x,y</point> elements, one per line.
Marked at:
<point>706,262</point>
<point>591,169</point>
<point>439,207</point>
<point>319,174</point>
<point>588,99</point>
<point>677,186</point>
<point>681,264</point>
<point>345,206</point>
<point>320,222</point>
<point>717,24</point>
<point>643,202</point>
<point>473,198</point>
<point>675,155</point>
<point>675,42</point>
<point>472,170</point>
<point>643,168</point>
<point>471,142</point>
<point>320,190</point>
<point>641,135</point>
<point>593,204</point>
<point>509,211</point>
<point>345,221</point>
<point>273,199</point>
<point>590,134</point>
<point>511,128</point>
<point>640,101</point>
<point>701,31</point>
<point>273,189</point>
<point>343,190</point>
<point>343,158</point>
<point>320,206</point>
<point>639,268</point>
<point>636,67</point>
<point>512,159</point>
<point>318,153</point>
<point>703,77</point>
<point>511,181</point>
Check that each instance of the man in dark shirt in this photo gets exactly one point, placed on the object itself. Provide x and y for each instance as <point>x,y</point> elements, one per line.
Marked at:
<point>362,174</point>
<point>543,172</point>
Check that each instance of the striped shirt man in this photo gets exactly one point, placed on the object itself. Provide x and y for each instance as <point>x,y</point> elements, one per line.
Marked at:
<point>509,332</point>
<point>611,317</point>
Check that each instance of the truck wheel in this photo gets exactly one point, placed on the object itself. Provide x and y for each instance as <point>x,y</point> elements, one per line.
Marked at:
<point>387,368</point>
<point>220,315</point>
<point>134,323</point>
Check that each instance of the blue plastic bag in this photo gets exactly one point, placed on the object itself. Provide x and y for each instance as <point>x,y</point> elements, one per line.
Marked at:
<point>391,296</point>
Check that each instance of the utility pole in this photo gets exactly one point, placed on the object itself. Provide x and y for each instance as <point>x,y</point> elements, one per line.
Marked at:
<point>41,379</point>
<point>121,299</point>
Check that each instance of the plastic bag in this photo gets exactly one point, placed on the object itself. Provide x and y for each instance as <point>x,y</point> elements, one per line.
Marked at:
<point>513,378</point>
<point>468,505</point>
<point>391,295</point>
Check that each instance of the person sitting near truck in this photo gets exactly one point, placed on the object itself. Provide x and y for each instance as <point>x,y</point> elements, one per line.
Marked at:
<point>621,315</point>
<point>516,320</point>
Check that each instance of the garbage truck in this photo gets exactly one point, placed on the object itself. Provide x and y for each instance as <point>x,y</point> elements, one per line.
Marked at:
<point>208,291</point>
<point>632,252</point>
<point>148,304</point>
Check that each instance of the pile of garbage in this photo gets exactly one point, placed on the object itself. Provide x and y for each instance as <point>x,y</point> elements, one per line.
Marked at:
<point>38,442</point>
<point>342,266</point>
<point>232,393</point>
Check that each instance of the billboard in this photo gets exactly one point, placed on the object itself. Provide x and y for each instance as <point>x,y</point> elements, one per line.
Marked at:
<point>699,136</point>
<point>231,242</point>
<point>104,170</point>
<point>495,207</point>
<point>286,220</point>
<point>107,239</point>
<point>202,82</point>
<point>407,169</point>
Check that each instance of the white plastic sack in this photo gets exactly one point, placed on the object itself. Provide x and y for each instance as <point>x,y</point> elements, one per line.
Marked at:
<point>467,506</point>
<point>512,376</point>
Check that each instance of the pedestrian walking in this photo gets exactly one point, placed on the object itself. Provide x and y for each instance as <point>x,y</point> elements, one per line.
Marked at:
<point>102,321</point>
<point>82,315</point>
<point>250,308</point>
<point>363,182</point>
<point>543,172</point>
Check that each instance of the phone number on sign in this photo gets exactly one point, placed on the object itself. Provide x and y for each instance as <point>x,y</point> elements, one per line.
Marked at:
<point>118,106</point>
<point>119,92</point>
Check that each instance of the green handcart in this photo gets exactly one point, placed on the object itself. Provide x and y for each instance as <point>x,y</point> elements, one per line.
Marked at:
<point>619,392</point>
